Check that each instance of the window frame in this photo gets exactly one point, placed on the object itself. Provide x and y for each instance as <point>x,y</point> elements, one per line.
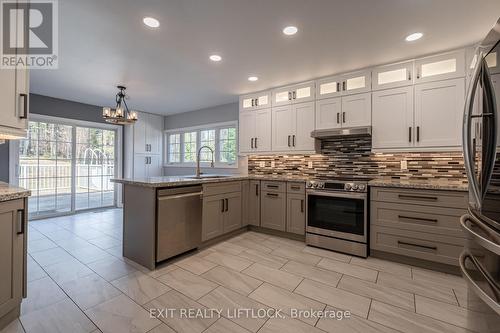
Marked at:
<point>198,129</point>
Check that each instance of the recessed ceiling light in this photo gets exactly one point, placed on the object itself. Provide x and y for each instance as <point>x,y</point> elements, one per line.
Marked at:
<point>290,30</point>
<point>413,37</point>
<point>151,22</point>
<point>253,78</point>
<point>215,57</point>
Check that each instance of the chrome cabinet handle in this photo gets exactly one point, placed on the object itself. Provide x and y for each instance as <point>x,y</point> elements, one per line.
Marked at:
<point>25,106</point>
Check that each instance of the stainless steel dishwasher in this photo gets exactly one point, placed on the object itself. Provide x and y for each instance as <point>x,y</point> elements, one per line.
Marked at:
<point>179,221</point>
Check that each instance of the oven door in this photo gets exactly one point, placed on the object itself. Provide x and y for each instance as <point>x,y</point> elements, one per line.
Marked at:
<point>340,215</point>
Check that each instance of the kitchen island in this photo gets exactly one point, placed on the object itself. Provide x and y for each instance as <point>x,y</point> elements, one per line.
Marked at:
<point>166,216</point>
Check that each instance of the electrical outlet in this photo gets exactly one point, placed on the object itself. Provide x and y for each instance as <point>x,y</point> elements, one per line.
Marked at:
<point>273,164</point>
<point>262,164</point>
<point>310,164</point>
<point>404,165</point>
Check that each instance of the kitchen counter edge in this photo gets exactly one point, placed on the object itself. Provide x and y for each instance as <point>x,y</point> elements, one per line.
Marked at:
<point>11,192</point>
<point>446,185</point>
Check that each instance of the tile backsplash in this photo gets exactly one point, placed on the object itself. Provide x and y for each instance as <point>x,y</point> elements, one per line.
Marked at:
<point>352,156</point>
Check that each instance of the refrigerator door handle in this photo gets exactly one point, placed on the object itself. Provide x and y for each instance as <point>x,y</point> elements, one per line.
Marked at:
<point>489,132</point>
<point>494,304</point>
<point>469,158</point>
<point>493,246</point>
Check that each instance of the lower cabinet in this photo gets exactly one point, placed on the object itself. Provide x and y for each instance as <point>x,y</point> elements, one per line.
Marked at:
<point>422,224</point>
<point>295,213</point>
<point>222,210</point>
<point>273,210</point>
<point>12,258</point>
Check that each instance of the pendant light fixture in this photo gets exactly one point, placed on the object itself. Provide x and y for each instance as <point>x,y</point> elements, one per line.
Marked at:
<point>121,115</point>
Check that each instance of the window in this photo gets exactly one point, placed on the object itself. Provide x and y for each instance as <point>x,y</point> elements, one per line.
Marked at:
<point>183,144</point>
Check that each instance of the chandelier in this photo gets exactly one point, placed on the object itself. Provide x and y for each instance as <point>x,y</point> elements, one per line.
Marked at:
<point>121,115</point>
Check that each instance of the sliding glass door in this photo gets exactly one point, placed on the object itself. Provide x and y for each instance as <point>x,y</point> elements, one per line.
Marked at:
<point>67,167</point>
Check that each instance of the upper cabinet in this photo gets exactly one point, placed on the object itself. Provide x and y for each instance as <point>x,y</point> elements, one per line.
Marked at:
<point>393,76</point>
<point>347,84</point>
<point>255,131</point>
<point>260,100</point>
<point>440,67</point>
<point>298,93</point>
<point>292,126</point>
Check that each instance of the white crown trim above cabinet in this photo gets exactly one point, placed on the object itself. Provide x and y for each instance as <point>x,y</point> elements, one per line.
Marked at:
<point>144,147</point>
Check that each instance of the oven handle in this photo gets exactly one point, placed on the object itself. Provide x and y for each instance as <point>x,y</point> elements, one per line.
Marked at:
<point>349,195</point>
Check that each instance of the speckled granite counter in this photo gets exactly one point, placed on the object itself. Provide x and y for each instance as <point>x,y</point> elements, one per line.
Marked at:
<point>10,192</point>
<point>173,181</point>
<point>437,184</point>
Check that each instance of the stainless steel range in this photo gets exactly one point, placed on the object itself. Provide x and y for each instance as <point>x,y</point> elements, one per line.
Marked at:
<point>337,215</point>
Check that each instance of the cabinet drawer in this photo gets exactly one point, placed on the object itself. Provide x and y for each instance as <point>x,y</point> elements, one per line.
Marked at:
<point>220,188</point>
<point>273,186</point>
<point>415,244</point>
<point>420,197</point>
<point>296,187</point>
<point>439,220</point>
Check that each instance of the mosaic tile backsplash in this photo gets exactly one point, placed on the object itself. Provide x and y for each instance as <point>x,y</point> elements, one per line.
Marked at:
<point>352,157</point>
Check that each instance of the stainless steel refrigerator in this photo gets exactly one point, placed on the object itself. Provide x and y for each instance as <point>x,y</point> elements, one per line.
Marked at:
<point>480,260</point>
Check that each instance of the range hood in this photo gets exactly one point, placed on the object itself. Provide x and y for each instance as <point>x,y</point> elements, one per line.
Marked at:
<point>336,132</point>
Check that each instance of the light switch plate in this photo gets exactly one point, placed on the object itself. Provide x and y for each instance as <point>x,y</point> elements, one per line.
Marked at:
<point>262,164</point>
<point>404,165</point>
<point>310,164</point>
<point>273,164</point>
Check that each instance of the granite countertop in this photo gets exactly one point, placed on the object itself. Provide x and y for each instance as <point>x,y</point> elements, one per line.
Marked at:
<point>436,184</point>
<point>173,181</point>
<point>11,192</point>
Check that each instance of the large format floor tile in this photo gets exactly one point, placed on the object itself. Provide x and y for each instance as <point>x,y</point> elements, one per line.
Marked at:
<point>408,321</point>
<point>335,297</point>
<point>60,317</point>
<point>112,268</point>
<point>140,287</point>
<point>176,320</point>
<point>229,302</point>
<point>224,325</point>
<point>292,253</point>
<point>352,324</point>
<point>228,260</point>
<point>274,276</point>
<point>327,254</point>
<point>195,264</point>
<point>313,273</point>
<point>383,265</point>
<point>281,299</point>
<point>232,279</point>
<point>263,258</point>
<point>120,314</point>
<point>188,283</point>
<point>90,290</point>
<point>349,269</point>
<point>289,325</point>
<point>42,293</point>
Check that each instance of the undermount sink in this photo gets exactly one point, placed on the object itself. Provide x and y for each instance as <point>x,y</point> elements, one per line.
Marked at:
<point>207,176</point>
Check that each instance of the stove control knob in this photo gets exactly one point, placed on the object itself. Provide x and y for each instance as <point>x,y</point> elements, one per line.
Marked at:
<point>362,187</point>
<point>347,187</point>
<point>321,185</point>
<point>355,187</point>
<point>309,185</point>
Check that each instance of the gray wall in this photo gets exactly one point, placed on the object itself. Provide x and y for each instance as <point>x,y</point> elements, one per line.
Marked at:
<point>216,114</point>
<point>55,107</point>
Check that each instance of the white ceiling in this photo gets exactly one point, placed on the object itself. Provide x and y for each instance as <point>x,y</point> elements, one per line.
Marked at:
<point>103,43</point>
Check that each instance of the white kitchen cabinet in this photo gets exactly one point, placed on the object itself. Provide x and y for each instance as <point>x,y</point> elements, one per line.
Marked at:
<point>298,93</point>
<point>438,113</point>
<point>328,112</point>
<point>346,84</point>
<point>14,94</point>
<point>356,110</point>
<point>255,131</point>
<point>393,75</point>
<point>292,127</point>
<point>255,101</point>
<point>392,118</point>
<point>283,127</point>
<point>440,67</point>
<point>144,147</point>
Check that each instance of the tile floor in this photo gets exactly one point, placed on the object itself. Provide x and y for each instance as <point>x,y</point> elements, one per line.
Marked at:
<point>79,282</point>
